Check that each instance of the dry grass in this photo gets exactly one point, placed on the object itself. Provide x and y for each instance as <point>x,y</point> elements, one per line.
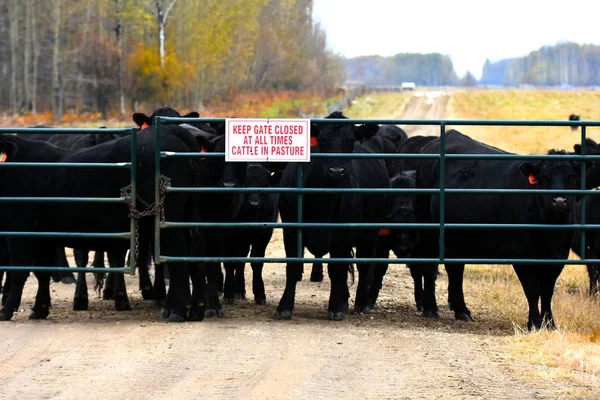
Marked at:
<point>525,105</point>
<point>573,352</point>
<point>379,106</point>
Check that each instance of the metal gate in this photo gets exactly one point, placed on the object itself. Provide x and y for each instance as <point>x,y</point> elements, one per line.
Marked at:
<point>442,225</point>
<point>122,199</point>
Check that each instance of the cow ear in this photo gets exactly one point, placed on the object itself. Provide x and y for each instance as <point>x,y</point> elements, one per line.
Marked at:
<point>207,143</point>
<point>140,119</point>
<point>8,149</point>
<point>529,169</point>
<point>192,114</point>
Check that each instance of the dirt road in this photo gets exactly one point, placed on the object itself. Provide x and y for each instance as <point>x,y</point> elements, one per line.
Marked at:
<point>392,353</point>
<point>426,105</point>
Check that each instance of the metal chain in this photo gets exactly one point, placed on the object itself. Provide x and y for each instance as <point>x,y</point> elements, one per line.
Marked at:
<point>150,210</point>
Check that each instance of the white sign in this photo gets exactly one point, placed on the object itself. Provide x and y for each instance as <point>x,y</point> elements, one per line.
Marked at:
<point>267,140</point>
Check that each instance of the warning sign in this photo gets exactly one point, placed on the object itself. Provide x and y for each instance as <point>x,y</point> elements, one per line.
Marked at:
<point>267,140</point>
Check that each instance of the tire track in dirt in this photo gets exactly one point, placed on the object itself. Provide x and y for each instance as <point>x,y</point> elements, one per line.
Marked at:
<point>426,105</point>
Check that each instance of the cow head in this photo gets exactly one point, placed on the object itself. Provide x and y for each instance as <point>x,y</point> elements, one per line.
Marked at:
<point>144,121</point>
<point>337,138</point>
<point>258,176</point>
<point>553,175</point>
<point>401,240</point>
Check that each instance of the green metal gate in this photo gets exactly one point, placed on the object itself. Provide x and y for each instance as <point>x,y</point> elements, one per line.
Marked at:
<point>442,225</point>
<point>122,199</point>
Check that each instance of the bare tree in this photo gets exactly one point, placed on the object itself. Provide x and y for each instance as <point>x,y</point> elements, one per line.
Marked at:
<point>13,37</point>
<point>162,14</point>
<point>36,52</point>
<point>57,78</point>
<point>120,65</point>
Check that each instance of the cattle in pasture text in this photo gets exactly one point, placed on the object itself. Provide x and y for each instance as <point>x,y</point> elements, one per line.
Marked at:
<point>102,217</point>
<point>557,208</point>
<point>334,208</point>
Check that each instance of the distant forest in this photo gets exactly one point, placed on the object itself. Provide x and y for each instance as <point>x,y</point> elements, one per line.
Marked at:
<point>423,69</point>
<point>116,55</point>
<point>562,64</point>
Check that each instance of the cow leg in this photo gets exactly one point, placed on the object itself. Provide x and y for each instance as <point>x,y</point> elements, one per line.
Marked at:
<point>594,275</point>
<point>41,307</point>
<point>13,301</point>
<point>316,274</point>
<point>80,300</point>
<point>179,298</point>
<point>531,287</point>
<point>148,291</point>
<point>7,286</point>
<point>229,288</point>
<point>456,295</point>
<point>339,286</point>
<point>1,280</point>
<point>258,285</point>
<point>214,306</point>
<point>293,273</point>
<point>366,272</point>
<point>61,261</point>
<point>377,272</point>
<point>547,276</point>
<point>240,282</point>
<point>220,281</point>
<point>98,263</point>
<point>116,259</point>
<point>416,273</point>
<point>160,288</point>
<point>199,293</point>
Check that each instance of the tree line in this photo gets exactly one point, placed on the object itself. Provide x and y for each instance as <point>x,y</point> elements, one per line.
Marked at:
<point>119,55</point>
<point>565,63</point>
<point>430,69</point>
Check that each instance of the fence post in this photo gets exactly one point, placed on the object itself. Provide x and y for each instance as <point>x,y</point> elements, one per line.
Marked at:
<point>442,188</point>
<point>583,187</point>
<point>157,191</point>
<point>300,177</point>
<point>133,226</point>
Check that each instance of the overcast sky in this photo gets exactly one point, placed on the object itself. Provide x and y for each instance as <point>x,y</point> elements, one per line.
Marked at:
<point>468,31</point>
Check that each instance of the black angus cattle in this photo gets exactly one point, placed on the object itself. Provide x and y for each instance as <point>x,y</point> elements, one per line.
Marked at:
<point>592,205</point>
<point>558,208</point>
<point>394,134</point>
<point>218,207</point>
<point>400,240</point>
<point>393,168</point>
<point>256,207</point>
<point>413,145</point>
<point>86,217</point>
<point>334,207</point>
<point>574,117</point>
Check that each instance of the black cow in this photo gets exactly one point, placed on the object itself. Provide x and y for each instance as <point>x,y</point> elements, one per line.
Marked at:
<point>537,280</point>
<point>574,117</point>
<point>413,145</point>
<point>219,207</point>
<point>256,207</point>
<point>98,182</point>
<point>400,240</point>
<point>394,134</point>
<point>328,207</point>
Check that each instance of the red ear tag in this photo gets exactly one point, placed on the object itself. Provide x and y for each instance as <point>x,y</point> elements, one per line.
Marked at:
<point>384,232</point>
<point>144,126</point>
<point>203,150</point>
<point>3,157</point>
<point>314,141</point>
<point>533,180</point>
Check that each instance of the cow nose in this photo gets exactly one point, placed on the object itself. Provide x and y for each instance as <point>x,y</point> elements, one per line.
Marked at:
<point>337,173</point>
<point>559,202</point>
<point>228,184</point>
<point>254,203</point>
